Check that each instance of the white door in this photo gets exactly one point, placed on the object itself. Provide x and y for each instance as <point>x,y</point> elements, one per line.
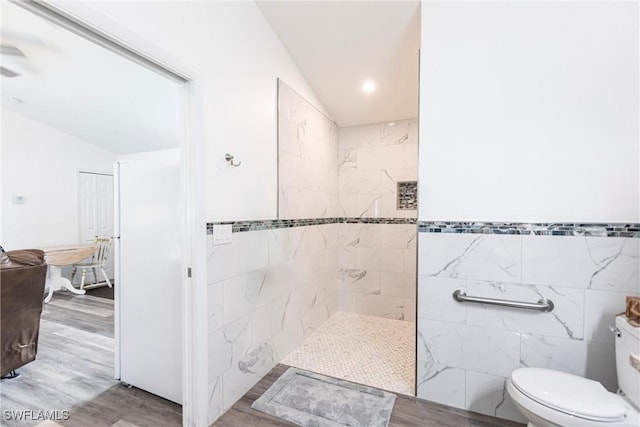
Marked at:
<point>148,299</point>
<point>95,201</point>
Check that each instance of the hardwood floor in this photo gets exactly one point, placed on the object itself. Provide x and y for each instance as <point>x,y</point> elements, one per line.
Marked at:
<point>73,372</point>
<point>407,411</point>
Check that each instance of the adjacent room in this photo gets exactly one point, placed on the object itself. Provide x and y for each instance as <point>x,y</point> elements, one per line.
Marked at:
<point>81,129</point>
<point>372,213</point>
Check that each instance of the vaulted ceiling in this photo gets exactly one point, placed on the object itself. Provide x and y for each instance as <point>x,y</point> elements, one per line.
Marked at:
<point>340,45</point>
<point>337,46</point>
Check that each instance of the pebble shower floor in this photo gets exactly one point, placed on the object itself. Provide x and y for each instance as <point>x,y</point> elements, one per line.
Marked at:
<point>368,350</point>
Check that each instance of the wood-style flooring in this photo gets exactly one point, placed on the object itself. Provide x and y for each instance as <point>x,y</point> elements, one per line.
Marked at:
<point>407,411</point>
<point>73,372</point>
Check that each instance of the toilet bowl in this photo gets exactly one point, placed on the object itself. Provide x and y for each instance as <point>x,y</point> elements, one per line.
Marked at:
<point>549,398</point>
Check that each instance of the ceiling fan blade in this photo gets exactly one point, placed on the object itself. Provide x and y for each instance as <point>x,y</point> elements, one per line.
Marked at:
<point>8,73</point>
<point>7,49</point>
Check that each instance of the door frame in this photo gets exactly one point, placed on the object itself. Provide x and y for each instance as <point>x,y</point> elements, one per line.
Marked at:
<point>81,19</point>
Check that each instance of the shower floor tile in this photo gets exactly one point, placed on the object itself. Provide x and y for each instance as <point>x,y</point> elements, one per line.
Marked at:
<point>368,350</point>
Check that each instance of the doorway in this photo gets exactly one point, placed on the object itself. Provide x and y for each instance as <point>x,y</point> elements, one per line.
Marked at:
<point>191,229</point>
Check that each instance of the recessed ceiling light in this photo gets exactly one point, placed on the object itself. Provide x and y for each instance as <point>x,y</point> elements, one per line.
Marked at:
<point>392,124</point>
<point>16,100</point>
<point>369,86</point>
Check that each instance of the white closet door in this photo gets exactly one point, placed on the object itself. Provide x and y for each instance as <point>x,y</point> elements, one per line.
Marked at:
<point>95,196</point>
<point>150,279</point>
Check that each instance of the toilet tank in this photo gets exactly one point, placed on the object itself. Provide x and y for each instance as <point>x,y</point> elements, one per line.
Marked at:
<point>628,360</point>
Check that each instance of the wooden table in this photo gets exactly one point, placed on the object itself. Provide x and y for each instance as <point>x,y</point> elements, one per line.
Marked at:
<point>59,256</point>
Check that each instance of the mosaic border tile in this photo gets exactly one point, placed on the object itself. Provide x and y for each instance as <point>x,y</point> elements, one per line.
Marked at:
<point>540,229</point>
<point>271,224</point>
<point>377,220</point>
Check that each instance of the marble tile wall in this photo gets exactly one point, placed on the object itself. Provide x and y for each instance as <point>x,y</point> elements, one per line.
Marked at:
<point>307,159</point>
<point>377,262</point>
<point>372,159</point>
<point>267,291</point>
<point>377,270</point>
<point>466,352</point>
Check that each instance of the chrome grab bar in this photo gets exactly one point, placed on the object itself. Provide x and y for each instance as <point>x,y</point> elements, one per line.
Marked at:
<point>542,305</point>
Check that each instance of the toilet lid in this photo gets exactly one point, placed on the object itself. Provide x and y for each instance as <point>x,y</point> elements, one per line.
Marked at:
<point>573,395</point>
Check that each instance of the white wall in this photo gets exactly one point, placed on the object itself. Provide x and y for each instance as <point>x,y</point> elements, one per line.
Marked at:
<point>529,111</point>
<point>171,155</point>
<point>41,163</point>
<point>238,57</point>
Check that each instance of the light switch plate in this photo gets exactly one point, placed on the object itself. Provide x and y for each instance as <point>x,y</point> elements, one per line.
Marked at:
<point>17,200</point>
<point>222,234</point>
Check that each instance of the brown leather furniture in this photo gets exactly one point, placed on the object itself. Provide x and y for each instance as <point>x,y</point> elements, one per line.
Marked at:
<point>22,279</point>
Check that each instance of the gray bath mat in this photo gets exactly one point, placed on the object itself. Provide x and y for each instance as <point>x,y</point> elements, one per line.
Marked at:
<point>313,400</point>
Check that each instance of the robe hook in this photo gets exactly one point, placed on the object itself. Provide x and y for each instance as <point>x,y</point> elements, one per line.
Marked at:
<point>229,158</point>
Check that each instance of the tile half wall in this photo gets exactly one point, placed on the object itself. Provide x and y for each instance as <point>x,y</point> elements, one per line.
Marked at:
<point>376,257</point>
<point>267,290</point>
<point>466,351</point>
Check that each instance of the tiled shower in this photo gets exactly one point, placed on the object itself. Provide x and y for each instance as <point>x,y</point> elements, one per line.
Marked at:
<point>340,243</point>
<point>353,174</point>
<point>362,168</point>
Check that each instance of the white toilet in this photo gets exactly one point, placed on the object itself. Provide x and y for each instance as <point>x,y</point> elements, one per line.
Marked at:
<point>550,398</point>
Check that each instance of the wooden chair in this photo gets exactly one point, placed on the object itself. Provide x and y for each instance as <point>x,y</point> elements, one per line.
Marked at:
<point>98,259</point>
